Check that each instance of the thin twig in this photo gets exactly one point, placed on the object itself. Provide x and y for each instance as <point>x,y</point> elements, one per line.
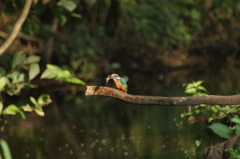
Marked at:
<point>17,27</point>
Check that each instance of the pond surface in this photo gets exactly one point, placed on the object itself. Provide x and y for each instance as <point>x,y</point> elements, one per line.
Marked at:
<point>93,127</point>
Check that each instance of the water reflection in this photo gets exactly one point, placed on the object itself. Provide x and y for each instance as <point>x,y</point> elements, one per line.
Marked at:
<point>88,131</point>
<point>97,127</point>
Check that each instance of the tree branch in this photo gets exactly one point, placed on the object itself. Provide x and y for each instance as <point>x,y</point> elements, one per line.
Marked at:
<point>17,27</point>
<point>163,101</point>
<point>219,151</point>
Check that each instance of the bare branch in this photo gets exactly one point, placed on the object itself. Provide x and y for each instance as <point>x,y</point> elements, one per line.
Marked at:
<point>219,151</point>
<point>17,27</point>
<point>163,101</point>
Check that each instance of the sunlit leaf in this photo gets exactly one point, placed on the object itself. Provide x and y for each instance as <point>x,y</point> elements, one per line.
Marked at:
<point>198,83</point>
<point>44,99</point>
<point>236,120</point>
<point>69,5</point>
<point>34,70</point>
<point>190,85</point>
<point>21,78</point>
<point>190,90</point>
<point>5,149</point>
<point>27,108</point>
<point>39,111</point>
<point>221,130</point>
<point>14,76</point>
<point>33,100</point>
<point>32,59</point>
<point>198,143</point>
<point>63,74</point>
<point>55,69</point>
<point>3,82</point>
<point>202,88</point>
<point>11,110</point>
<point>75,81</point>
<point>18,59</point>
<point>48,74</point>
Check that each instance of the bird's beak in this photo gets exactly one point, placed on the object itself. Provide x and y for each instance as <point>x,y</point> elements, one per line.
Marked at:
<point>108,78</point>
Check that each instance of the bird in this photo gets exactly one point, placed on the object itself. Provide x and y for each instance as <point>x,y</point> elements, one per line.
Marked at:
<point>119,82</point>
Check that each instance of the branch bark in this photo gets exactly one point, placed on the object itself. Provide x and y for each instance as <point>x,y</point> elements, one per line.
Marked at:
<point>163,101</point>
<point>17,27</point>
<point>219,151</point>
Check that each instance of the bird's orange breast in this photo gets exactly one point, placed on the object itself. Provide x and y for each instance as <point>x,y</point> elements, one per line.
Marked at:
<point>120,86</point>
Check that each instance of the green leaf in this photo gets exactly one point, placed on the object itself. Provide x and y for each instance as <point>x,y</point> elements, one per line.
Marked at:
<point>198,83</point>
<point>2,71</point>
<point>190,85</point>
<point>34,70</point>
<point>237,129</point>
<point>48,74</point>
<point>63,19</point>
<point>202,88</point>
<point>3,82</point>
<point>14,76</point>
<point>198,143</point>
<point>32,59</point>
<point>22,114</point>
<point>191,90</point>
<point>63,74</point>
<point>20,78</point>
<point>195,14</point>
<point>18,59</point>
<point>39,111</point>
<point>11,110</point>
<point>44,99</point>
<point>75,81</point>
<point>221,130</point>
<point>27,108</point>
<point>5,149</point>
<point>55,69</point>
<point>236,120</point>
<point>76,15</point>
<point>69,5</point>
<point>33,100</point>
<point>1,107</point>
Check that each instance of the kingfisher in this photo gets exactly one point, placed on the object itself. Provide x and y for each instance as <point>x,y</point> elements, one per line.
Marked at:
<point>119,82</point>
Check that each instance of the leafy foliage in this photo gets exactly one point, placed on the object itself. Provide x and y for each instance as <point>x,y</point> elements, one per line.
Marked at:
<point>234,153</point>
<point>170,25</point>
<point>195,88</point>
<point>211,112</point>
<point>23,71</point>
<point>224,130</point>
<point>221,130</point>
<point>192,153</point>
<point>5,150</point>
<point>55,72</point>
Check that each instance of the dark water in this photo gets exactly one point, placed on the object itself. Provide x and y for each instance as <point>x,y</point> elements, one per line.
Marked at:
<point>79,127</point>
